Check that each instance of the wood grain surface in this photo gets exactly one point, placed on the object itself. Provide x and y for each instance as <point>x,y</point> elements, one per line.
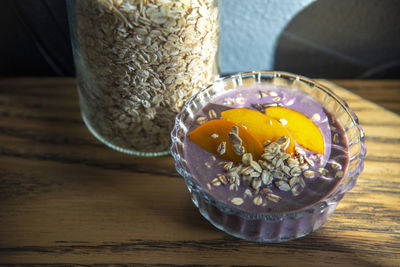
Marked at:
<point>67,199</point>
<point>385,93</point>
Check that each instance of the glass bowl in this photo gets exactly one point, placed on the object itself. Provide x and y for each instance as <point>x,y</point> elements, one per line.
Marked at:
<point>269,226</point>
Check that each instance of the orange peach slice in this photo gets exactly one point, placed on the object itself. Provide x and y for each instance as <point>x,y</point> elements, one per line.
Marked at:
<point>211,134</point>
<point>304,130</point>
<point>258,124</point>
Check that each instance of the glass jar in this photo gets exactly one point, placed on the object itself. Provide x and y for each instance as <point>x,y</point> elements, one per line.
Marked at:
<point>137,62</point>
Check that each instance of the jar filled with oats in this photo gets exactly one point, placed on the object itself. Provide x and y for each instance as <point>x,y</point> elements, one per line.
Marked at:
<point>137,62</point>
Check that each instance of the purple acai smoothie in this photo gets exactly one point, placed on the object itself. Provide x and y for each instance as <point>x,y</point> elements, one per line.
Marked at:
<point>328,169</point>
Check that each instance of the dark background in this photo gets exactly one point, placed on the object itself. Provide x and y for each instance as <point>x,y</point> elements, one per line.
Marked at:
<point>363,38</point>
<point>35,38</point>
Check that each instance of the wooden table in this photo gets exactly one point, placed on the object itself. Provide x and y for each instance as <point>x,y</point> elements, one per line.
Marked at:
<point>67,199</point>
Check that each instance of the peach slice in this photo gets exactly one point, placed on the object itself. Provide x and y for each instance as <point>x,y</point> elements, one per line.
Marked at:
<point>260,125</point>
<point>212,133</point>
<point>304,130</point>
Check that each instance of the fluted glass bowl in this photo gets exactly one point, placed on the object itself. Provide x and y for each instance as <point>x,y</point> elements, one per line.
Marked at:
<point>278,226</point>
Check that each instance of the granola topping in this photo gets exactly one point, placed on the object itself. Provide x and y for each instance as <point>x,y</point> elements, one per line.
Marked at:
<point>275,169</point>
